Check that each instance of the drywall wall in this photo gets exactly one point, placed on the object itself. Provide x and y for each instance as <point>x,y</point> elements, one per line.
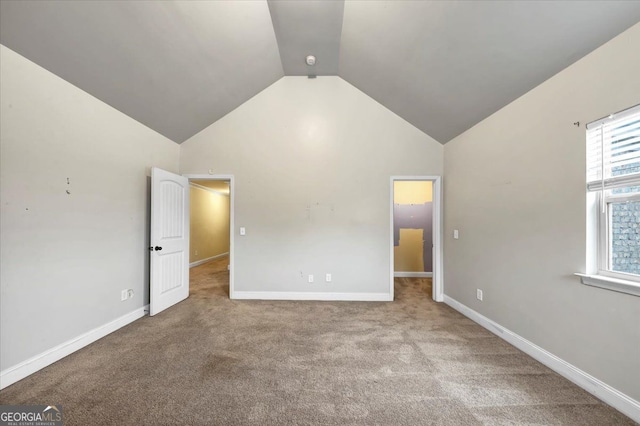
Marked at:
<point>514,186</point>
<point>412,191</point>
<point>312,160</point>
<point>408,255</point>
<point>74,213</point>
<point>413,226</point>
<point>209,224</point>
<point>413,216</point>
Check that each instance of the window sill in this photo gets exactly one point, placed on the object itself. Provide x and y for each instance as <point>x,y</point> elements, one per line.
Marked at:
<point>609,283</point>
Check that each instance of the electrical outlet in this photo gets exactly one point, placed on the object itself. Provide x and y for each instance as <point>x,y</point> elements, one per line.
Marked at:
<point>196,253</point>
<point>310,278</point>
<point>479,294</point>
<point>130,293</point>
<point>456,234</point>
<point>328,278</point>
<point>124,295</point>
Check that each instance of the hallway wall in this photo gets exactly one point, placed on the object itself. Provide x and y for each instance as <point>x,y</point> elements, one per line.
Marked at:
<point>209,224</point>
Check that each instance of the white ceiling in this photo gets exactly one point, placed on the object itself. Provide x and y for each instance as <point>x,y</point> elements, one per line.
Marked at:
<point>178,66</point>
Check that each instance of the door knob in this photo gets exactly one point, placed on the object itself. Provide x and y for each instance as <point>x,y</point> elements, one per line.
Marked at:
<point>156,248</point>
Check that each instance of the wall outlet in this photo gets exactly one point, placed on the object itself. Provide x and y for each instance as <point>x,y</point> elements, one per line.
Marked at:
<point>124,294</point>
<point>328,278</point>
<point>456,234</point>
<point>479,294</point>
<point>130,293</point>
<point>196,253</point>
<point>310,278</point>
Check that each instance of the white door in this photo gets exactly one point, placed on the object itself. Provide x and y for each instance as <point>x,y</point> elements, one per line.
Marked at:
<point>169,240</point>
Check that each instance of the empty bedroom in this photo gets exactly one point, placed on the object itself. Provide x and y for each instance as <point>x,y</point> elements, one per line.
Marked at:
<point>320,212</point>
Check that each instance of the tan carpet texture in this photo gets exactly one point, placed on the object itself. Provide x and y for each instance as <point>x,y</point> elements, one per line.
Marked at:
<point>214,361</point>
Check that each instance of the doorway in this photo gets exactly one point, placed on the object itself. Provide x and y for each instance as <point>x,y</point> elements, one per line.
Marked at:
<point>212,224</point>
<point>416,230</point>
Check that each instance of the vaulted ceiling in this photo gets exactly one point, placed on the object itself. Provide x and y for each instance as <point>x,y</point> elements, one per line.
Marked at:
<point>179,66</point>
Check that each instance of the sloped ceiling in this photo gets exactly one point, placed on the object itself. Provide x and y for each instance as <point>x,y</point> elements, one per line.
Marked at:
<point>179,66</point>
<point>175,66</point>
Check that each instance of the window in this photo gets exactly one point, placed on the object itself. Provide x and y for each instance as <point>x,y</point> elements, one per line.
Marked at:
<point>613,193</point>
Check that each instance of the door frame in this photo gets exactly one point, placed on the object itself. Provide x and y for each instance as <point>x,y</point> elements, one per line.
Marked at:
<point>232,201</point>
<point>438,282</point>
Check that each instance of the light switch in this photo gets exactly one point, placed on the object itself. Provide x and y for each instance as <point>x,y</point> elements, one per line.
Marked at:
<point>242,231</point>
<point>455,234</point>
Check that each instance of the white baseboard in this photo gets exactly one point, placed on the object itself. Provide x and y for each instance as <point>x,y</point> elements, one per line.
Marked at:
<point>413,274</point>
<point>303,295</point>
<point>597,388</point>
<point>48,357</point>
<point>208,259</point>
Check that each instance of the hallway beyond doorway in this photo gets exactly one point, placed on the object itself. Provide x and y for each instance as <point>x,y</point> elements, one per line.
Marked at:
<point>210,279</point>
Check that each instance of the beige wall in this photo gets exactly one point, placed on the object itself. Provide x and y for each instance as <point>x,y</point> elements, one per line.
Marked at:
<point>209,223</point>
<point>412,192</point>
<point>514,186</point>
<point>65,257</point>
<point>408,254</point>
<point>312,160</point>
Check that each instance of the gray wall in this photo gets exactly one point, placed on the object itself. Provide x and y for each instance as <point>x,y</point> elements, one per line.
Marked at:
<point>64,258</point>
<point>514,186</point>
<point>312,160</point>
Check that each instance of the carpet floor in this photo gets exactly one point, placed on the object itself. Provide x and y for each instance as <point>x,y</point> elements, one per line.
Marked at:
<point>214,361</point>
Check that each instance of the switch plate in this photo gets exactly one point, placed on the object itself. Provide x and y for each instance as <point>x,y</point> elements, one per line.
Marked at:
<point>479,294</point>
<point>328,278</point>
<point>243,231</point>
<point>456,234</point>
<point>310,278</point>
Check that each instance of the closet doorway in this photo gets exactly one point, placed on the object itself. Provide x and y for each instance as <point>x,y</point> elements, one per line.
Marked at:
<point>416,231</point>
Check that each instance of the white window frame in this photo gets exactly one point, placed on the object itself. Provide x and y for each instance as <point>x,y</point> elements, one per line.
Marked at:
<point>604,232</point>
<point>599,202</point>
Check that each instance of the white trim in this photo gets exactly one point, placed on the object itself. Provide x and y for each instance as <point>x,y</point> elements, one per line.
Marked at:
<point>413,274</point>
<point>205,188</point>
<point>232,202</point>
<point>48,357</point>
<point>438,271</point>
<point>610,283</point>
<point>618,400</point>
<point>614,182</point>
<point>303,295</point>
<point>438,249</point>
<point>208,259</point>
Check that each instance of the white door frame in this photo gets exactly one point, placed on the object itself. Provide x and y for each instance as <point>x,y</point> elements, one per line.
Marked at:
<point>232,201</point>
<point>438,283</point>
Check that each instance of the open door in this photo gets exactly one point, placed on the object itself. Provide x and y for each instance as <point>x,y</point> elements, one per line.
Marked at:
<point>169,240</point>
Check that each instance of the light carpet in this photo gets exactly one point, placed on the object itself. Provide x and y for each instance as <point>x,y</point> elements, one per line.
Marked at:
<point>214,361</point>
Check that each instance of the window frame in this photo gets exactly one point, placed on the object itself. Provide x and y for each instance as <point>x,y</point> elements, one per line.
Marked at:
<point>604,232</point>
<point>600,200</point>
